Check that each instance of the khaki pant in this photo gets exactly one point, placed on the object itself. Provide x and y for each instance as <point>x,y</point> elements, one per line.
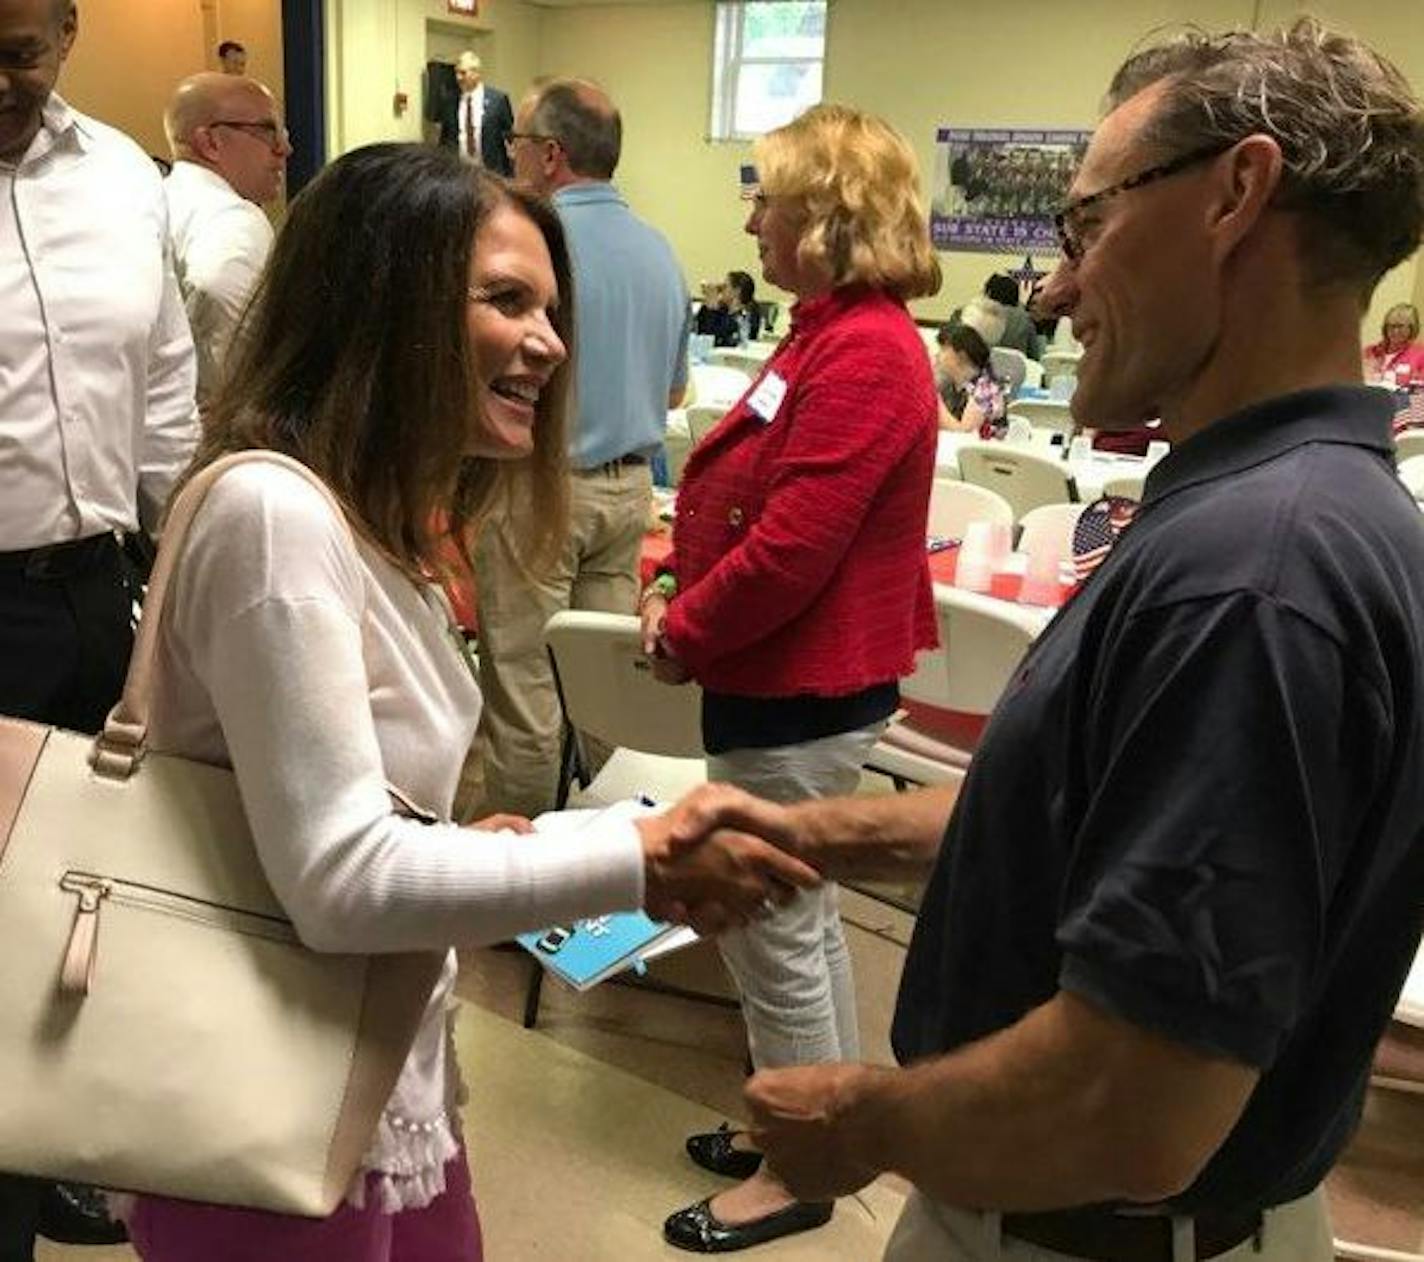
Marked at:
<point>521,726</point>
<point>930,1232</point>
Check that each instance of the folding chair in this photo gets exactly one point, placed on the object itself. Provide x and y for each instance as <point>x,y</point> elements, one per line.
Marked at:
<point>1409,444</point>
<point>954,504</point>
<point>1024,478</point>
<point>701,418</point>
<point>1044,414</point>
<point>1054,522</point>
<point>1060,363</point>
<point>982,641</point>
<point>1411,473</point>
<point>1009,366</point>
<point>716,385</point>
<point>743,359</point>
<point>1128,486</point>
<point>608,693</point>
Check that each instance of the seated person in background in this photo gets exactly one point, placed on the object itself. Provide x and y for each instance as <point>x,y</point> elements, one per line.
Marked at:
<point>997,317</point>
<point>973,399</point>
<point>1019,333</point>
<point>986,318</point>
<point>741,289</point>
<point>1398,354</point>
<point>729,312</point>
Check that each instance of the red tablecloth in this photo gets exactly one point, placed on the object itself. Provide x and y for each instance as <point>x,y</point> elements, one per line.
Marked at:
<point>1004,585</point>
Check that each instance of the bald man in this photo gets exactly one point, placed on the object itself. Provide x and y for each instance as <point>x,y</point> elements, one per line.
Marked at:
<point>478,123</point>
<point>230,151</point>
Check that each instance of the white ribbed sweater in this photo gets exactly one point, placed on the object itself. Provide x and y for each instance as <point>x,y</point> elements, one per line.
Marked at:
<point>320,672</point>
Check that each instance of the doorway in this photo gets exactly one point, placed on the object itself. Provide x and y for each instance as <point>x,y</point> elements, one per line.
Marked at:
<point>444,42</point>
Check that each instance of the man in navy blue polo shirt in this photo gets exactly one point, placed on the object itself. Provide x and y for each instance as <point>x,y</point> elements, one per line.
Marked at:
<point>1184,879</point>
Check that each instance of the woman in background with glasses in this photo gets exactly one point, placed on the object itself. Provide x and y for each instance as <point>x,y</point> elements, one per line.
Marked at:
<point>1397,359</point>
<point>798,592</point>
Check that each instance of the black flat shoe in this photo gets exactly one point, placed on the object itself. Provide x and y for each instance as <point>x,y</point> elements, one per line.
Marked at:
<point>698,1230</point>
<point>73,1214</point>
<point>713,1151</point>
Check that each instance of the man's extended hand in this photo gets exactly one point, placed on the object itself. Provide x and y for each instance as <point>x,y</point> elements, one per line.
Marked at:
<point>722,880</point>
<point>800,1121</point>
<point>712,806</point>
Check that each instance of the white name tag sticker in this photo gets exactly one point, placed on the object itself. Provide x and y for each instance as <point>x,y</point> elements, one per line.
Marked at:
<point>767,398</point>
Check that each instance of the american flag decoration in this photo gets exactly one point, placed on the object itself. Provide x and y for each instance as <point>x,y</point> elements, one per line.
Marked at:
<point>750,185</point>
<point>1409,411</point>
<point>1098,528</point>
<point>1027,274</point>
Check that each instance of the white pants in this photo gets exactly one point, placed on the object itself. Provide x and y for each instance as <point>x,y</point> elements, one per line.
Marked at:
<point>792,967</point>
<point>930,1232</point>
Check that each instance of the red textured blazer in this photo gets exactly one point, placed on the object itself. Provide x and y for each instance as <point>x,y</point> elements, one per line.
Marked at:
<point>799,544</point>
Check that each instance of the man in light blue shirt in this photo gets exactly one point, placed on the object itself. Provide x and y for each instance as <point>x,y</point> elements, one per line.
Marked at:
<point>631,326</point>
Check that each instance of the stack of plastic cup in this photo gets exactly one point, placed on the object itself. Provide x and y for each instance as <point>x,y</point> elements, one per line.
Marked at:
<point>1040,583</point>
<point>984,545</point>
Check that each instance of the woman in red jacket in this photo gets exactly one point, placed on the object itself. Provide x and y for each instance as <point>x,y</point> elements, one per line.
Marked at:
<point>797,594</point>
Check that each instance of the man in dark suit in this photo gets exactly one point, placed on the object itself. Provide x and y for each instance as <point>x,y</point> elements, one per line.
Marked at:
<point>478,121</point>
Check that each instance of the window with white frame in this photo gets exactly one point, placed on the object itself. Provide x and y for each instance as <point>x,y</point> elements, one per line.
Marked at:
<point>767,60</point>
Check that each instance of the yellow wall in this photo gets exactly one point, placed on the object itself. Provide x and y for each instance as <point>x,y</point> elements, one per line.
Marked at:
<point>131,53</point>
<point>920,64</point>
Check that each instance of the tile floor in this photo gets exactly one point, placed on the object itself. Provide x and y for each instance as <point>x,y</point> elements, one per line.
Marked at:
<point>576,1126</point>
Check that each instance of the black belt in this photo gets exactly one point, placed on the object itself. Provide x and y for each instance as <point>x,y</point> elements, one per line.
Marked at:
<point>611,467</point>
<point>1109,1237</point>
<point>60,560</point>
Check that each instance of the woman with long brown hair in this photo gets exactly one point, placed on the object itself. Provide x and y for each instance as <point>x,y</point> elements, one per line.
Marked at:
<point>408,347</point>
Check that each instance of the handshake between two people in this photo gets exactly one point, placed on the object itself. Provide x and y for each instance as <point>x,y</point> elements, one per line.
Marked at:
<point>721,856</point>
<point>705,866</point>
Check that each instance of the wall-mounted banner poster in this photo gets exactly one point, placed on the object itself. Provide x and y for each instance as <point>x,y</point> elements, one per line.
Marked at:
<point>995,189</point>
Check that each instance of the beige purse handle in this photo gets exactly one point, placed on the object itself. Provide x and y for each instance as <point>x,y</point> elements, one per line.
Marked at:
<point>120,747</point>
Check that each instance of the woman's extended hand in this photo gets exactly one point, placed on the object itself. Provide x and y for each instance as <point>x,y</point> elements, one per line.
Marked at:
<point>723,880</point>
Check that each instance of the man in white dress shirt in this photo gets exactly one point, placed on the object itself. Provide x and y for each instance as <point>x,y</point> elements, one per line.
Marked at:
<point>481,120</point>
<point>229,154</point>
<point>97,416</point>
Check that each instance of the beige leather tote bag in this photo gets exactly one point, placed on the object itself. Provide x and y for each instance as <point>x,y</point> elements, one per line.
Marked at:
<point>161,1028</point>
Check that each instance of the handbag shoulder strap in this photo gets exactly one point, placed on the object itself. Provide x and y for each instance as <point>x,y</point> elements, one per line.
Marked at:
<point>120,746</point>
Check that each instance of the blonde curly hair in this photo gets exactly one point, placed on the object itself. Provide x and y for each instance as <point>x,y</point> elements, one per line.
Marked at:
<point>857,181</point>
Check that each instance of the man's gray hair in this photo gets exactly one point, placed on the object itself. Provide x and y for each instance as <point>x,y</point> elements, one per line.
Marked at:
<point>579,115</point>
<point>1350,129</point>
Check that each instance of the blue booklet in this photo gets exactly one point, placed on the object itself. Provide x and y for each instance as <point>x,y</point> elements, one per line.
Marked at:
<point>588,951</point>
